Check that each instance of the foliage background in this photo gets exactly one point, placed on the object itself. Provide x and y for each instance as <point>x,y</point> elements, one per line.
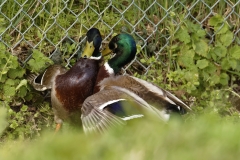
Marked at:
<point>188,47</point>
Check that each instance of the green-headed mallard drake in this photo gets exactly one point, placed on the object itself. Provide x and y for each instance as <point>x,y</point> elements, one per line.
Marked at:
<point>69,88</point>
<point>124,48</point>
<point>104,108</point>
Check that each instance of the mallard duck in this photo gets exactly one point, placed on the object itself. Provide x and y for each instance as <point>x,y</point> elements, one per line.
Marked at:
<point>69,88</point>
<point>124,47</point>
<point>105,108</point>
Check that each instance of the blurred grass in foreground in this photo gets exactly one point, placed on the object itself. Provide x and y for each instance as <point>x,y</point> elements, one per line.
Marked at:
<point>207,137</point>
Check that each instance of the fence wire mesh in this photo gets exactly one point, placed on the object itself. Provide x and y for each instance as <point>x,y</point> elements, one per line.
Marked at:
<point>60,25</point>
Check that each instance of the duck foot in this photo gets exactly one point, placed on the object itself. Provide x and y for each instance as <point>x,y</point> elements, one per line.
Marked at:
<point>58,127</point>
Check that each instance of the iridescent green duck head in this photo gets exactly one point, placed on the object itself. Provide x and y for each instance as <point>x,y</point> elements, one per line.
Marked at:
<point>124,47</point>
<point>94,41</point>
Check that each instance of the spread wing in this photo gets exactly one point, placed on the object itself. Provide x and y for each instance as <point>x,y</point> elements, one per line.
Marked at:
<point>100,111</point>
<point>95,116</point>
<point>149,92</point>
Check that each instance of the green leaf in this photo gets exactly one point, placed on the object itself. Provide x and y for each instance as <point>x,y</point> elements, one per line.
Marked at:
<point>192,27</point>
<point>211,69</point>
<point>2,48</point>
<point>8,90</point>
<point>225,64</point>
<point>215,20</point>
<point>183,35</point>
<point>39,61</point>
<point>221,28</point>
<point>39,34</point>
<point>213,55</point>
<point>22,92</point>
<point>191,75</point>
<point>238,66</point>
<point>29,96</point>
<point>215,79</point>
<point>10,82</point>
<point>220,50</point>
<point>2,64</point>
<point>201,47</point>
<point>201,33</point>
<point>3,78</point>
<point>24,108</point>
<point>3,72</point>
<point>205,75</point>
<point>37,54</point>
<point>23,82</point>
<point>2,54</point>
<point>226,38</point>
<point>224,78</point>
<point>36,66</point>
<point>233,63</point>
<point>202,63</point>
<point>14,73</point>
<point>143,61</point>
<point>139,48</point>
<point>14,62</point>
<point>186,58</point>
<point>235,52</point>
<point>219,24</point>
<point>14,124</point>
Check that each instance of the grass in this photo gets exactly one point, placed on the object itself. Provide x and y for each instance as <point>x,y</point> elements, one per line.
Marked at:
<point>206,137</point>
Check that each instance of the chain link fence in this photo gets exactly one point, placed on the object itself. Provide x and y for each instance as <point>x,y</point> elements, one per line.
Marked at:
<point>60,25</point>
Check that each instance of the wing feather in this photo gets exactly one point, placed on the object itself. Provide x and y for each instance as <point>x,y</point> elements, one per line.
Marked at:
<point>44,81</point>
<point>95,115</point>
<point>150,92</point>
